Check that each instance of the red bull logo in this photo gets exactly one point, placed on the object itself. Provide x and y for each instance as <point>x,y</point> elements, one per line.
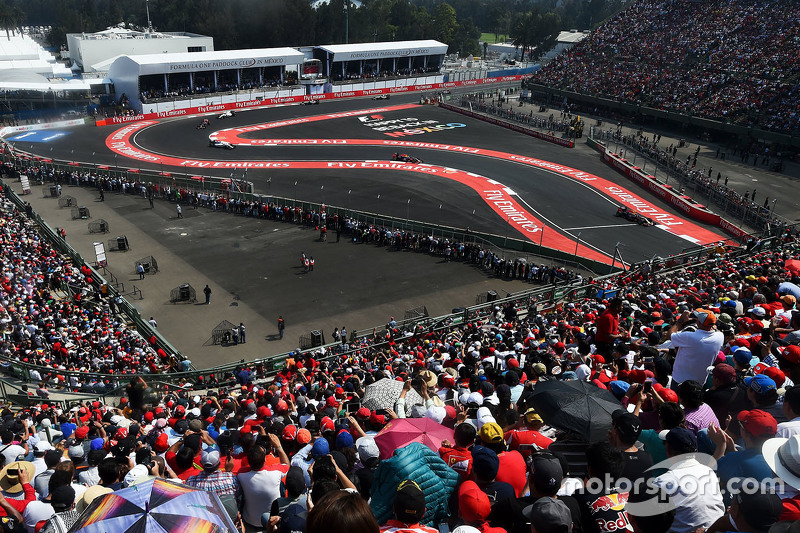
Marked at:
<point>614,502</point>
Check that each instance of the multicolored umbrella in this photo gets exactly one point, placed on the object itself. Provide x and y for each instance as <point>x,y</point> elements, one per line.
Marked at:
<point>402,431</point>
<point>155,506</point>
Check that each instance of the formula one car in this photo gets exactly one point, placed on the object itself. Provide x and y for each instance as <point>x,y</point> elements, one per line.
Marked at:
<point>227,114</point>
<point>381,97</point>
<point>405,158</point>
<point>203,125</point>
<point>633,216</point>
<point>220,144</point>
<point>315,101</point>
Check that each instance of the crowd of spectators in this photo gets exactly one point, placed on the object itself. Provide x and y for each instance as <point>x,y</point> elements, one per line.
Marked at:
<point>158,93</point>
<point>726,60</point>
<point>53,314</point>
<point>384,74</point>
<point>569,125</point>
<point>701,363</point>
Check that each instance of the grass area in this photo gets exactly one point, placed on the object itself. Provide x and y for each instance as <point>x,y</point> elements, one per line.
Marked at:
<point>489,38</point>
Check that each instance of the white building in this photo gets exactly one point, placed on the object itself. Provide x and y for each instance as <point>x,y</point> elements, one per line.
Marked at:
<point>95,52</point>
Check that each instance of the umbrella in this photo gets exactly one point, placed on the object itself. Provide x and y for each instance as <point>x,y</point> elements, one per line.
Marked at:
<point>156,505</point>
<point>384,393</point>
<point>792,265</point>
<point>575,406</point>
<point>401,431</point>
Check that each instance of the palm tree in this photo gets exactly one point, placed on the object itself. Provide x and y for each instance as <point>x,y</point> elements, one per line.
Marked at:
<point>9,18</point>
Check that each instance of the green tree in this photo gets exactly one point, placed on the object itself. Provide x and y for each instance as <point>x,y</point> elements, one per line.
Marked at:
<point>445,24</point>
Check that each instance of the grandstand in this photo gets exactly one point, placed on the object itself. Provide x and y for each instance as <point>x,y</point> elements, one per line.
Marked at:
<point>731,62</point>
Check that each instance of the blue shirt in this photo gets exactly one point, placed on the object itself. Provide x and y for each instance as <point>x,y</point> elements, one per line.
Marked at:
<point>748,463</point>
<point>68,428</point>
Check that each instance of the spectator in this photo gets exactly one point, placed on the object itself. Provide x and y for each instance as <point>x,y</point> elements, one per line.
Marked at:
<point>692,486</point>
<point>697,346</point>
<point>341,511</point>
<point>409,508</point>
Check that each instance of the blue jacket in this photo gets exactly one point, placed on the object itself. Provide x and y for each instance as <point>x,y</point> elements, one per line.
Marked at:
<point>418,462</point>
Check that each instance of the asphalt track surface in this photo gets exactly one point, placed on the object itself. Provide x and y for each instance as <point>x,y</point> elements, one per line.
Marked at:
<point>566,206</point>
<point>572,211</point>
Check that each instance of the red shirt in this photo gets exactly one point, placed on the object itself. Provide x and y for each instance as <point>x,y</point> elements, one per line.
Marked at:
<point>513,470</point>
<point>527,437</point>
<point>607,324</point>
<point>20,505</point>
<point>457,458</point>
<point>183,475</point>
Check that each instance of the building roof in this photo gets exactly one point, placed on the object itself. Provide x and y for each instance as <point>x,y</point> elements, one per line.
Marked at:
<point>201,61</point>
<point>358,51</point>
<point>572,36</point>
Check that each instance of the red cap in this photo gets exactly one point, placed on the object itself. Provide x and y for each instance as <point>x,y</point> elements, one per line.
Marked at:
<point>362,412</point>
<point>559,347</point>
<point>377,419</point>
<point>82,432</point>
<point>597,358</point>
<point>303,436</point>
<point>451,412</point>
<point>180,410</point>
<point>792,354</point>
<point>331,401</point>
<point>512,363</point>
<point>776,374</point>
<point>758,422</point>
<point>162,443</point>
<point>669,395</point>
<point>263,412</point>
<point>473,503</point>
<point>148,416</point>
<point>326,425</point>
<point>82,411</point>
<point>121,433</point>
<point>290,432</point>
<point>282,406</point>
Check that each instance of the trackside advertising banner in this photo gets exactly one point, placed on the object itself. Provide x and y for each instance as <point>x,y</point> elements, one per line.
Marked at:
<point>249,104</point>
<point>692,210</point>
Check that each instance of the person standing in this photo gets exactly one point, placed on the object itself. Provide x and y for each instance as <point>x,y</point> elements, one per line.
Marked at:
<point>697,348</point>
<point>207,292</point>
<point>241,332</point>
<point>343,333</point>
<point>608,328</point>
<point>180,211</point>
<point>153,322</point>
<point>281,326</point>
<point>140,270</point>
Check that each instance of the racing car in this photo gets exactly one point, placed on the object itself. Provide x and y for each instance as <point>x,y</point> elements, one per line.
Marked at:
<point>220,144</point>
<point>314,101</point>
<point>405,158</point>
<point>381,97</point>
<point>203,125</point>
<point>227,114</point>
<point>634,216</point>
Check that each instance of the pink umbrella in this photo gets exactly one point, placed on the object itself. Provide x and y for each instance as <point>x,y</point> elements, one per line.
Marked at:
<point>792,265</point>
<point>402,431</point>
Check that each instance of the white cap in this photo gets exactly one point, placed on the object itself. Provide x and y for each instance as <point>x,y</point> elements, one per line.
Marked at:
<point>484,416</point>
<point>44,446</point>
<point>136,475</point>
<point>367,448</point>
<point>436,413</point>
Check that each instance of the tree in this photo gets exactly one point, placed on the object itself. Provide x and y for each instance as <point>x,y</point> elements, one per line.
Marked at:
<point>10,18</point>
<point>446,24</point>
<point>536,32</point>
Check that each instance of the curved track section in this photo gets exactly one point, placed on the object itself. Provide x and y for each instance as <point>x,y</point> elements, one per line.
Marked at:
<point>502,199</point>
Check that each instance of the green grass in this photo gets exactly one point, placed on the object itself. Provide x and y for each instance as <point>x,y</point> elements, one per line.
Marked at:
<point>489,38</point>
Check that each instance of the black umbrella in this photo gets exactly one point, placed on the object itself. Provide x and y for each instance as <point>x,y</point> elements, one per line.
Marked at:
<point>575,406</point>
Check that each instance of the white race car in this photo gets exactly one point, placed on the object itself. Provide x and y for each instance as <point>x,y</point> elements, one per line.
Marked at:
<point>227,114</point>
<point>381,97</point>
<point>220,144</point>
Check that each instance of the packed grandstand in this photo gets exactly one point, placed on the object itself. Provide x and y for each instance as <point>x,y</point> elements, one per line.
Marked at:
<point>655,399</point>
<point>727,60</point>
